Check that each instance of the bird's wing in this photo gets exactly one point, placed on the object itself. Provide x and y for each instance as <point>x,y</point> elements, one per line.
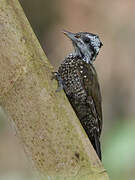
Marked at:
<point>91,86</point>
<point>93,98</point>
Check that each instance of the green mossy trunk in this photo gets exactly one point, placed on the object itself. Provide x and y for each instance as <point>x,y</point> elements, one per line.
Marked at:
<point>45,122</point>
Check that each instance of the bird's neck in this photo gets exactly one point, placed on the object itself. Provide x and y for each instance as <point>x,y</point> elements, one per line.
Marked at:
<point>84,55</point>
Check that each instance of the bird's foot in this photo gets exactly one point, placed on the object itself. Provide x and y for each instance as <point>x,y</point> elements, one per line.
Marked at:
<point>56,76</point>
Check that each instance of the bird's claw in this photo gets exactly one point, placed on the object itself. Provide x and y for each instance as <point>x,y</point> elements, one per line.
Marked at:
<point>56,76</point>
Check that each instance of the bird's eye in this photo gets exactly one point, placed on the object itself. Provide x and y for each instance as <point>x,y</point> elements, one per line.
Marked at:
<point>77,36</point>
<point>101,44</point>
<point>86,40</point>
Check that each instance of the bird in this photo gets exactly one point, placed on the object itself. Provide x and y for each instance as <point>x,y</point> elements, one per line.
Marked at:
<point>78,78</point>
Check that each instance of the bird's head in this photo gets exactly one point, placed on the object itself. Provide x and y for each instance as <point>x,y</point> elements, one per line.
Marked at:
<point>86,45</point>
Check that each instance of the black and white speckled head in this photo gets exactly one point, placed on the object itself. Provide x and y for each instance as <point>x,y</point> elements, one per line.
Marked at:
<point>86,45</point>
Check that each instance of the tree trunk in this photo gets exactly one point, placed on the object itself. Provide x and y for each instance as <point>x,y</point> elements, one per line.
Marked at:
<point>47,126</point>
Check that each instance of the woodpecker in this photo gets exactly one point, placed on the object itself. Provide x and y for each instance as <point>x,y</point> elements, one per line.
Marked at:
<point>78,78</point>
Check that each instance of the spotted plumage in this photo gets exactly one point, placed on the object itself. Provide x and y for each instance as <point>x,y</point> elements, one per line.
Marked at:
<point>78,77</point>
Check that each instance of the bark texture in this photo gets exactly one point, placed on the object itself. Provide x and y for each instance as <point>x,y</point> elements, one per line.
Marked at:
<point>47,126</point>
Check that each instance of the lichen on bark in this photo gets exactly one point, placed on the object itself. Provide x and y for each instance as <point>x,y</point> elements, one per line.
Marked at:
<point>46,124</point>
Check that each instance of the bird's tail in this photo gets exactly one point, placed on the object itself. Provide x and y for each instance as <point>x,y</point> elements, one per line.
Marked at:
<point>96,144</point>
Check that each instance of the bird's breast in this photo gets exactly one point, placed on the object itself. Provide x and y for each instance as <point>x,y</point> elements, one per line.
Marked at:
<point>72,79</point>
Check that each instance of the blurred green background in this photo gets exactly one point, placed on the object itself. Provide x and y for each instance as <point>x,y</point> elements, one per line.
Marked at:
<point>114,22</point>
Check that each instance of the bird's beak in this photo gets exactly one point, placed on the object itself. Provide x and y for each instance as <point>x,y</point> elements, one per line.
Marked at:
<point>70,35</point>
